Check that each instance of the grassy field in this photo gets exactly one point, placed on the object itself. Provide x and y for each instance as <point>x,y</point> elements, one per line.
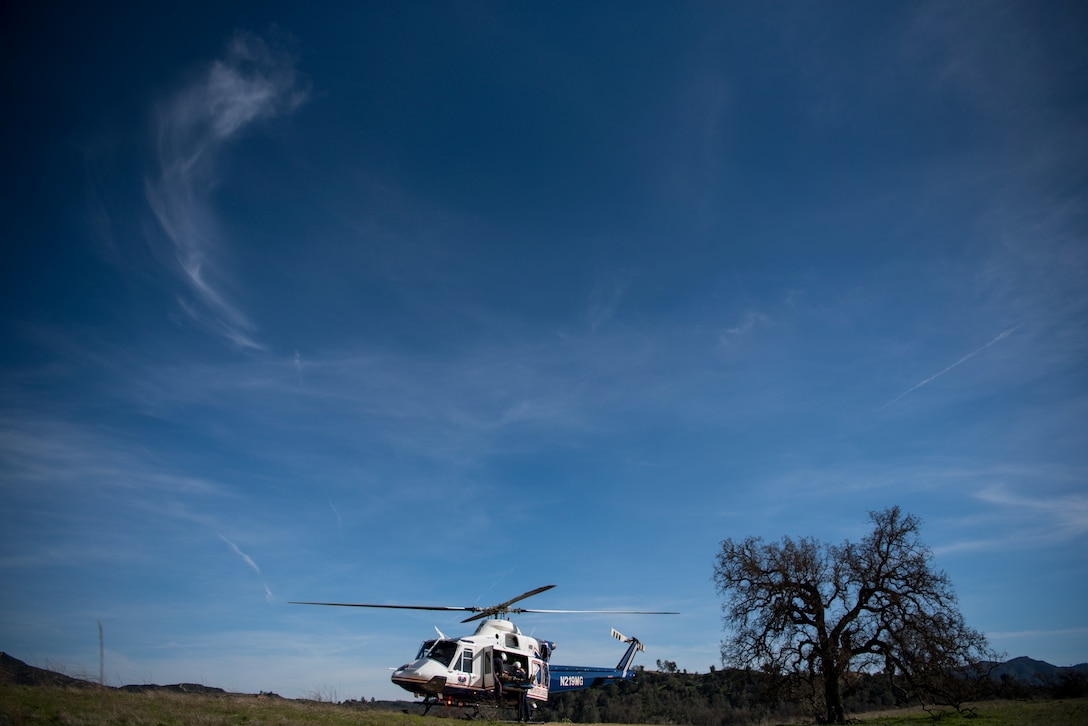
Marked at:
<point>98,707</point>
<point>1069,712</point>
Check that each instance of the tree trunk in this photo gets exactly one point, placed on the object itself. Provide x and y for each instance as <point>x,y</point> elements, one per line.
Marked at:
<point>833,694</point>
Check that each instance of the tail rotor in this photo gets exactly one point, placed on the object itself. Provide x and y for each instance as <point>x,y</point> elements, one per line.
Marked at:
<point>624,639</point>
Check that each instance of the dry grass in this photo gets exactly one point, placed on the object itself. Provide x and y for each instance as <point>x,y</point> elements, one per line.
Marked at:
<point>101,707</point>
<point>1068,712</point>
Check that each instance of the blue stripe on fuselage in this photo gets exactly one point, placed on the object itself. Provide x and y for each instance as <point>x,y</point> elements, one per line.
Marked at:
<point>574,678</point>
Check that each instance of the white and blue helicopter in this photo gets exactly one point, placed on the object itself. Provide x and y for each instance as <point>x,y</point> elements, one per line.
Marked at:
<point>498,665</point>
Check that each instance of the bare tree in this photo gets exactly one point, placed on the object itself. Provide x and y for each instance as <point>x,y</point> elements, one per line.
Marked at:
<point>814,611</point>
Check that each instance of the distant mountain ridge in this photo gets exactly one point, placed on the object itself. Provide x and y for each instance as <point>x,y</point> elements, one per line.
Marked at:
<point>1031,670</point>
<point>15,671</point>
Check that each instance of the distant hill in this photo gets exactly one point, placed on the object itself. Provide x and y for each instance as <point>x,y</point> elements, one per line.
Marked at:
<point>176,688</point>
<point>1030,670</point>
<point>722,687</point>
<point>16,672</point>
<point>13,670</point>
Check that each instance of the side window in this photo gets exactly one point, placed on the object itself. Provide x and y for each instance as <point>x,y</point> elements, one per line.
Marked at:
<point>466,661</point>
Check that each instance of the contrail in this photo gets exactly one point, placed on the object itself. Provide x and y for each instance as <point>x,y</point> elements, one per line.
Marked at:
<point>964,359</point>
<point>268,596</point>
<point>248,560</point>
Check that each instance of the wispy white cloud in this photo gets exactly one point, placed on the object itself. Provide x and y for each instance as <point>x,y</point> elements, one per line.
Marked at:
<point>252,82</point>
<point>1001,336</point>
<point>1017,520</point>
<point>1061,516</point>
<point>464,405</point>
<point>605,299</point>
<point>268,596</point>
<point>245,558</point>
<point>298,366</point>
<point>1036,633</point>
<point>751,320</point>
<point>37,450</point>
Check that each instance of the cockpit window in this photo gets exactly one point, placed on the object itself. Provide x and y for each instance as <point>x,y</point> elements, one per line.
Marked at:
<point>424,648</point>
<point>443,651</point>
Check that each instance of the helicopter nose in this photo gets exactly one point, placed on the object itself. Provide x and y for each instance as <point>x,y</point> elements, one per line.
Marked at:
<point>424,677</point>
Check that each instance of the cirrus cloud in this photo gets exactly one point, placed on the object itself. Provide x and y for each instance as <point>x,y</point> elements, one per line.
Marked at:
<point>252,82</point>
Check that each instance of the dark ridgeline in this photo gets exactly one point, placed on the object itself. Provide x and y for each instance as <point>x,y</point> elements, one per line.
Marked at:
<point>728,695</point>
<point>737,696</point>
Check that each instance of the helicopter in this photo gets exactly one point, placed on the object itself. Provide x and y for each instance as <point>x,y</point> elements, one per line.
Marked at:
<point>498,664</point>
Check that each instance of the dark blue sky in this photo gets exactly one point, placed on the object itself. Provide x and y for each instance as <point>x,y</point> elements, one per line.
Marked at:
<point>320,303</point>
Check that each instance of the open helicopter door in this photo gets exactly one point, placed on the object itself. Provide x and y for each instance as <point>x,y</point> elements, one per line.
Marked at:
<point>539,678</point>
<point>487,655</point>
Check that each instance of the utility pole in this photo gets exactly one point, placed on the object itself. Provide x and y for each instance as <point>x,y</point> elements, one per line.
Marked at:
<point>101,658</point>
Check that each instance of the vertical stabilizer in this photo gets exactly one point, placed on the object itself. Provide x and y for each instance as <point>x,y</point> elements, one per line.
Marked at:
<point>625,662</point>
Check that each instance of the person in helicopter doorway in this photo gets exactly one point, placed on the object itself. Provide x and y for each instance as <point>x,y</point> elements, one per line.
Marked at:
<point>524,714</point>
<point>519,676</point>
<point>499,664</point>
<point>523,706</point>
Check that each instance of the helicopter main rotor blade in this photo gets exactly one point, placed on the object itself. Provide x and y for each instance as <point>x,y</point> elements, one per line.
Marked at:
<point>487,612</point>
<point>608,612</point>
<point>483,611</point>
<point>391,607</point>
<point>504,607</point>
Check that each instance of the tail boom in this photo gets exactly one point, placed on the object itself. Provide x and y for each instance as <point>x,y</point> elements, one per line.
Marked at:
<point>575,678</point>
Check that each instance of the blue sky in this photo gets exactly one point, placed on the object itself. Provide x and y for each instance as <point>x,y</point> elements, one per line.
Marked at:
<point>437,303</point>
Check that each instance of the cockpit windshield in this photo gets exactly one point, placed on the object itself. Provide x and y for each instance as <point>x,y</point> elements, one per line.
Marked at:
<point>439,650</point>
<point>443,651</point>
<point>424,648</point>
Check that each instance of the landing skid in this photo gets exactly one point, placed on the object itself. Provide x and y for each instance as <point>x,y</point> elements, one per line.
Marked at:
<point>480,710</point>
